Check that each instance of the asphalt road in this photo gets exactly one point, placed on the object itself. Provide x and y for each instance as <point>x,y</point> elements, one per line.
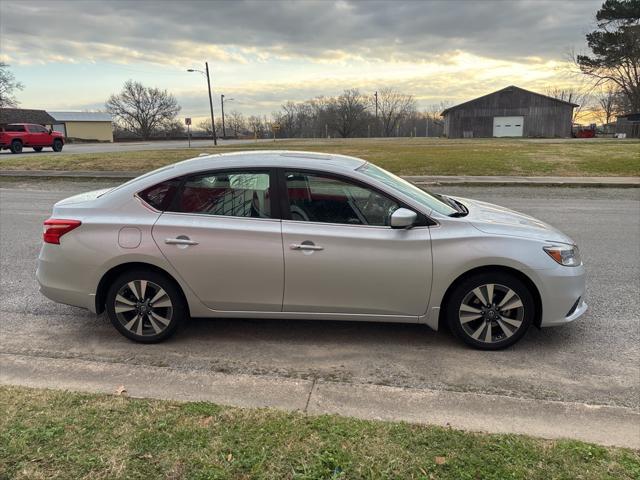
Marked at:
<point>595,360</point>
<point>133,146</point>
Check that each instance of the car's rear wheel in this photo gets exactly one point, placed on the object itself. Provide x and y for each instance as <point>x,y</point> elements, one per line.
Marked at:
<point>37,149</point>
<point>490,311</point>
<point>57,145</point>
<point>145,306</point>
<point>16,146</point>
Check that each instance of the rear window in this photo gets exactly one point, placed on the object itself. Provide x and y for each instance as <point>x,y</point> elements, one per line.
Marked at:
<point>160,196</point>
<point>14,128</point>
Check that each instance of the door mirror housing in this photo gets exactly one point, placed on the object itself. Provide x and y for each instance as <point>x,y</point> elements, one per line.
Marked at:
<point>403,218</point>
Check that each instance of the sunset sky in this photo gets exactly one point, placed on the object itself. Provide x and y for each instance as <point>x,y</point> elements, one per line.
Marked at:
<point>71,55</point>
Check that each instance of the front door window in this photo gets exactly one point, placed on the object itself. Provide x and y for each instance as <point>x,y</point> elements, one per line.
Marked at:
<point>326,199</point>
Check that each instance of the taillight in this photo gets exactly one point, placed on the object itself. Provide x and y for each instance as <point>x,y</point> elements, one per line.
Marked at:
<point>54,228</point>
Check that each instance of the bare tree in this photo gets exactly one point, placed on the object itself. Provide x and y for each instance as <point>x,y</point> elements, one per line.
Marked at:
<point>172,128</point>
<point>393,106</point>
<point>347,113</point>
<point>236,122</point>
<point>286,119</point>
<point>257,126</point>
<point>205,126</point>
<point>8,87</point>
<point>434,124</point>
<point>581,95</point>
<point>607,104</point>
<point>142,110</point>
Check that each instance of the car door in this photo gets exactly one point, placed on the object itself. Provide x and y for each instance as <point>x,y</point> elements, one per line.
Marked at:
<point>341,255</point>
<point>38,136</point>
<point>222,237</point>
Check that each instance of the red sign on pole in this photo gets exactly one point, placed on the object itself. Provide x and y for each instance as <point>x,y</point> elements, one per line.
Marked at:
<point>187,121</point>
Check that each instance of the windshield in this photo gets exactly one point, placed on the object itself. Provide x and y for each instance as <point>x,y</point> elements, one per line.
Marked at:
<point>423,198</point>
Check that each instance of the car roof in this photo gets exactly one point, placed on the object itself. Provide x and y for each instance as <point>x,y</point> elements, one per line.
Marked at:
<point>289,159</point>
<point>270,158</point>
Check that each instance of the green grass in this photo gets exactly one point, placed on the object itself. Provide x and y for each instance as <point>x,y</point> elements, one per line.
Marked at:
<point>404,156</point>
<point>53,434</point>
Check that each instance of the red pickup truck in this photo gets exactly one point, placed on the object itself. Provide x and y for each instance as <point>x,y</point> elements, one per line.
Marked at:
<point>15,136</point>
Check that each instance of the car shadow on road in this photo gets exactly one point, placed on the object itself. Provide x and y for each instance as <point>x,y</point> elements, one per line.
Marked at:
<point>343,333</point>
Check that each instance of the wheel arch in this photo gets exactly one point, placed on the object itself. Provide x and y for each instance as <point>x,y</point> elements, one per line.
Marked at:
<point>114,272</point>
<point>535,292</point>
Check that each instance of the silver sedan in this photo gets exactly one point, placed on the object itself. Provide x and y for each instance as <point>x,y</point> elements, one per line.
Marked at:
<point>298,235</point>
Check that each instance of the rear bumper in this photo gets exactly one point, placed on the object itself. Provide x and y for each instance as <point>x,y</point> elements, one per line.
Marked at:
<point>61,281</point>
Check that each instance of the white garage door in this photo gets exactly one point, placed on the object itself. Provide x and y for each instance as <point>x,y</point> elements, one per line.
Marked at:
<point>507,126</point>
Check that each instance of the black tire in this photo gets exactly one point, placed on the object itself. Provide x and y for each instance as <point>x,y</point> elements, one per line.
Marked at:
<point>176,314</point>
<point>57,145</point>
<point>16,146</point>
<point>497,323</point>
<point>37,149</point>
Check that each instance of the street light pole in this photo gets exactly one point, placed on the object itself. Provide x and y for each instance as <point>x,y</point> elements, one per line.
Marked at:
<point>213,124</point>
<point>224,132</point>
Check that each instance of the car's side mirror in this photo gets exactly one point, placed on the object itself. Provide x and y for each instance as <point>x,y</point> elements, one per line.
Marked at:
<point>403,218</point>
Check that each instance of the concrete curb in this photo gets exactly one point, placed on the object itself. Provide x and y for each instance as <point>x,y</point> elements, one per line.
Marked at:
<point>607,182</point>
<point>70,174</point>
<point>467,411</point>
<point>421,180</point>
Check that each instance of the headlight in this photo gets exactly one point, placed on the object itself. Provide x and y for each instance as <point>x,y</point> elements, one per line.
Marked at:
<point>567,255</point>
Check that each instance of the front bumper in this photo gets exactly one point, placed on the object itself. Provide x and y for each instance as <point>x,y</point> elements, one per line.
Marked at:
<point>560,289</point>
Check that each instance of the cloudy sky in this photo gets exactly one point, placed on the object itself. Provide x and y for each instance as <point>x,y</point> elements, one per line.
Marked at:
<point>72,54</point>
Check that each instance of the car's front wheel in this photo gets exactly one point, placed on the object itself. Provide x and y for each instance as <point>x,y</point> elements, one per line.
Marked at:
<point>490,311</point>
<point>145,306</point>
<point>57,145</point>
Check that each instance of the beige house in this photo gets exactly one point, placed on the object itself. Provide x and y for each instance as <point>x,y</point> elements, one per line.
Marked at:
<point>86,126</point>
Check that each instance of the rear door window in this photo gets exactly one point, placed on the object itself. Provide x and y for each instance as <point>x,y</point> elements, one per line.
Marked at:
<point>232,194</point>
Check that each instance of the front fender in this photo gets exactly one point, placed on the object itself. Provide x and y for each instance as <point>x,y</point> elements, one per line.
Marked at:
<point>458,248</point>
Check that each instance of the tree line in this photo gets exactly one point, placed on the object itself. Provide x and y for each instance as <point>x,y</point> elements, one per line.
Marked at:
<point>147,112</point>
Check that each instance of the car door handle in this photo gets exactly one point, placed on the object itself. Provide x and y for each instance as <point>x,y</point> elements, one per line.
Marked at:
<point>304,246</point>
<point>180,241</point>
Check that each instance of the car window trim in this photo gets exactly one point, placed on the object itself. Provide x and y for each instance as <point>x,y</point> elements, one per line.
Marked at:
<point>285,205</point>
<point>207,215</point>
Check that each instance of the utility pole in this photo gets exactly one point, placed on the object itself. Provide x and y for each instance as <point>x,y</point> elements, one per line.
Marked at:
<point>224,132</point>
<point>213,123</point>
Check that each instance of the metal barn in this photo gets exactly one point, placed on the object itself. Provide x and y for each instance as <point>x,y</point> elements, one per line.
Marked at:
<point>510,112</point>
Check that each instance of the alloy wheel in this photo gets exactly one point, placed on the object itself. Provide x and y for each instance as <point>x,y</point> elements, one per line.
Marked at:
<point>491,313</point>
<point>143,308</point>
